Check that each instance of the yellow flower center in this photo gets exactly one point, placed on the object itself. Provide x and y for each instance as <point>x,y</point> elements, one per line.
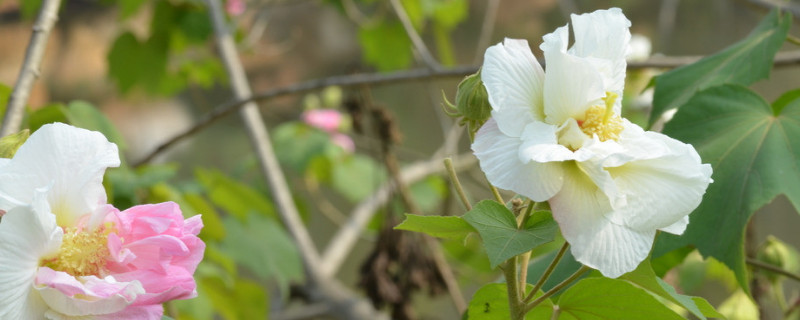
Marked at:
<point>82,252</point>
<point>602,121</point>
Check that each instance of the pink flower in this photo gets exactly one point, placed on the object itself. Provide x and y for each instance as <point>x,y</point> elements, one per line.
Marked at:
<point>66,254</point>
<point>235,7</point>
<point>326,119</point>
<point>343,141</point>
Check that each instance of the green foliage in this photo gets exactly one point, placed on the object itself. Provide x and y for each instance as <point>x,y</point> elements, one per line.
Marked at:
<point>490,302</point>
<point>386,46</point>
<point>51,113</point>
<point>263,247</point>
<point>242,299</point>
<point>30,8</point>
<point>743,63</point>
<point>753,148</point>
<point>645,278</point>
<point>739,306</point>
<point>296,144</point>
<point>356,176</point>
<point>428,193</point>
<point>565,268</point>
<point>603,298</point>
<point>501,237</point>
<point>127,186</point>
<point>10,143</point>
<point>447,227</point>
<point>232,196</point>
<point>84,115</point>
<point>147,63</point>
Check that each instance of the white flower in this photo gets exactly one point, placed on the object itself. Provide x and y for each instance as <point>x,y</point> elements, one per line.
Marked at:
<point>558,136</point>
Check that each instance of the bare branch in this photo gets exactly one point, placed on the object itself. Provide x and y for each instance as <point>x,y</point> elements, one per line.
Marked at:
<point>340,245</point>
<point>423,51</point>
<point>782,59</point>
<point>30,67</point>
<point>259,137</point>
<point>489,19</point>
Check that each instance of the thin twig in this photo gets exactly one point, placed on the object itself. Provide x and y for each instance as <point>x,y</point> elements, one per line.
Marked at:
<point>547,272</point>
<point>451,171</point>
<point>782,59</point>
<point>423,51</point>
<point>557,288</point>
<point>30,67</point>
<point>768,267</point>
<point>487,28</point>
<point>342,301</point>
<point>341,244</point>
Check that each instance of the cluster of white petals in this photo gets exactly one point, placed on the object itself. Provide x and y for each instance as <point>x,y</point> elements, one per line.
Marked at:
<point>558,136</point>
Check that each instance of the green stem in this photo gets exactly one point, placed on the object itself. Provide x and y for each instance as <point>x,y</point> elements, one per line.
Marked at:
<point>558,287</point>
<point>793,40</point>
<point>527,215</point>
<point>496,193</point>
<point>514,303</point>
<point>451,171</point>
<point>523,272</point>
<point>548,271</point>
<point>766,266</point>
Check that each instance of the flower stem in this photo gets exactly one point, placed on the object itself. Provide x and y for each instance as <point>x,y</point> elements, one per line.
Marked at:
<point>496,194</point>
<point>448,163</point>
<point>548,271</point>
<point>558,287</point>
<point>793,40</point>
<point>515,304</point>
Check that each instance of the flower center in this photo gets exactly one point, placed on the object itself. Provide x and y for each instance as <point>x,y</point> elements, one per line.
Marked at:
<point>82,252</point>
<point>602,121</point>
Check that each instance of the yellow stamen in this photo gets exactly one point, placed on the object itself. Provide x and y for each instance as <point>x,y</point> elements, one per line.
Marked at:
<point>602,121</point>
<point>82,252</point>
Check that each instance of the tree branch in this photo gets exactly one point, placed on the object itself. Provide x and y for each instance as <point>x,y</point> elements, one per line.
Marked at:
<point>341,244</point>
<point>30,67</point>
<point>423,51</point>
<point>782,59</point>
<point>487,27</point>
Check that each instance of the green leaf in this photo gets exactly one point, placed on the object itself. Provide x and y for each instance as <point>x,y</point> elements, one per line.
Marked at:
<point>264,249</point>
<point>52,113</point>
<point>128,7</point>
<point>85,115</point>
<point>739,306</point>
<point>356,176</point>
<point>296,144</point>
<point>743,63</point>
<point>501,237</point>
<point>447,227</point>
<point>755,154</point>
<point>212,223</point>
<point>449,13</point>
<point>232,196</point>
<point>131,62</point>
<point>490,302</point>
<point>386,46</point>
<point>429,193</point>
<point>603,298</point>
<point>30,8</point>
<point>645,278</point>
<point>10,143</point>
<point>241,300</point>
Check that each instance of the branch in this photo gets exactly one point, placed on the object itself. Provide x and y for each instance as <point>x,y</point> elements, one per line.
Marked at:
<point>782,59</point>
<point>259,137</point>
<point>30,67</point>
<point>768,267</point>
<point>341,244</point>
<point>423,51</point>
<point>486,29</point>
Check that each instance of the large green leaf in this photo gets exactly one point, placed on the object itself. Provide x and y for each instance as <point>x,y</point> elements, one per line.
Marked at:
<point>448,227</point>
<point>236,198</point>
<point>603,298</point>
<point>501,237</point>
<point>264,249</point>
<point>132,62</point>
<point>490,302</point>
<point>645,278</point>
<point>744,63</point>
<point>754,149</point>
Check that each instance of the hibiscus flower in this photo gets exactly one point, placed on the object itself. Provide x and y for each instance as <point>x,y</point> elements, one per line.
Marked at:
<point>66,254</point>
<point>558,136</point>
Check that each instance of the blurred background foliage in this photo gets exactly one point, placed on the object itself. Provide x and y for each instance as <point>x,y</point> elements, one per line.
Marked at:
<point>141,71</point>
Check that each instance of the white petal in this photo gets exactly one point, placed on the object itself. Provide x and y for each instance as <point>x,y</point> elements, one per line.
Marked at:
<point>26,236</point>
<point>604,37</point>
<point>678,227</point>
<point>88,295</point>
<point>73,160</point>
<point>580,209</point>
<point>539,143</point>
<point>571,84</point>
<point>660,190</point>
<point>498,156</point>
<point>513,80</point>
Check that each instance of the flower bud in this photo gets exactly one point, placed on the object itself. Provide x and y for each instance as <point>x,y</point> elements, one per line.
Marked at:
<point>472,101</point>
<point>779,254</point>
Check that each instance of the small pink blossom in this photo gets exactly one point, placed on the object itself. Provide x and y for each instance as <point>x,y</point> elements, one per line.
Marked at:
<point>235,7</point>
<point>328,120</point>
<point>343,141</point>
